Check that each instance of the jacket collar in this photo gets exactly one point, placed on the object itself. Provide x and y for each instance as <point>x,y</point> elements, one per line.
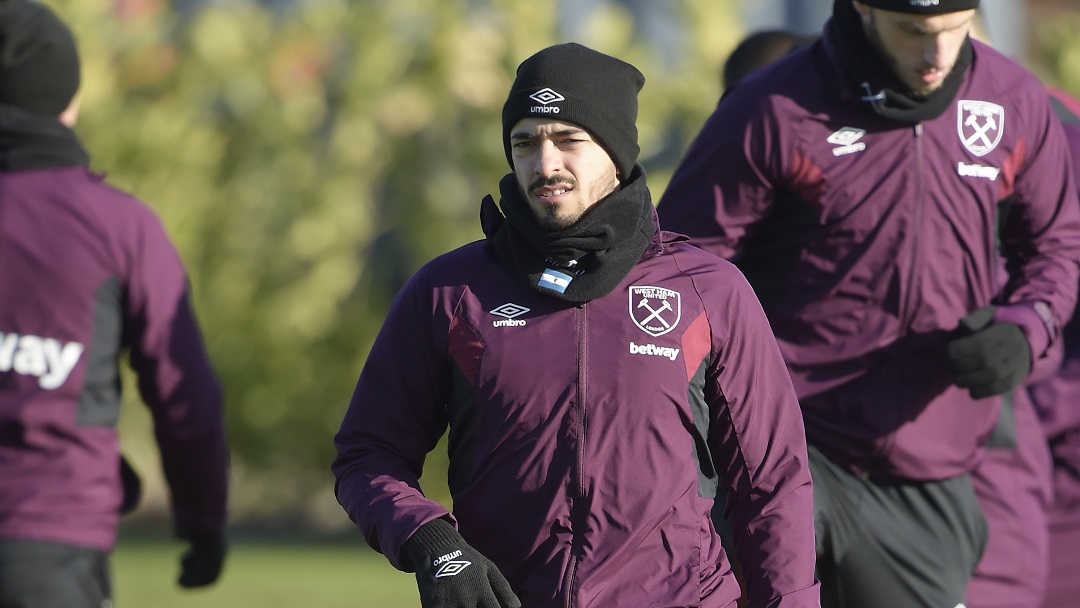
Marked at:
<point>29,141</point>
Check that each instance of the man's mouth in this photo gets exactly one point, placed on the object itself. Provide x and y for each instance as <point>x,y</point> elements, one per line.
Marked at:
<point>549,193</point>
<point>931,75</point>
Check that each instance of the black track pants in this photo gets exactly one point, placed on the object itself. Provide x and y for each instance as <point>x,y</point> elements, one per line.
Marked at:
<point>897,544</point>
<point>38,574</point>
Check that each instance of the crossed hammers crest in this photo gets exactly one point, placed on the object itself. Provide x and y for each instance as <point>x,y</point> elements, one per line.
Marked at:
<point>654,313</point>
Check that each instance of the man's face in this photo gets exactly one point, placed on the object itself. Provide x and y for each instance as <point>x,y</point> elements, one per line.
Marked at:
<point>561,169</point>
<point>922,49</point>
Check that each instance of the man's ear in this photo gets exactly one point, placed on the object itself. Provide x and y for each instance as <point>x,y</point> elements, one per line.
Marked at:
<point>71,113</point>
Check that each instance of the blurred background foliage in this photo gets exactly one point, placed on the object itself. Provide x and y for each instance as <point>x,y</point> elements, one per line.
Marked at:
<point>308,158</point>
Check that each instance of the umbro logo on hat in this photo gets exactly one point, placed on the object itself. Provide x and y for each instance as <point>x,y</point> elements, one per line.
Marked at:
<point>546,96</point>
<point>923,7</point>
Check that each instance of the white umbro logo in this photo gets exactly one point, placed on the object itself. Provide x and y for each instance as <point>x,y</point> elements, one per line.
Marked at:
<point>846,136</point>
<point>848,140</point>
<point>546,96</point>
<point>452,568</point>
<point>449,565</point>
<point>510,311</point>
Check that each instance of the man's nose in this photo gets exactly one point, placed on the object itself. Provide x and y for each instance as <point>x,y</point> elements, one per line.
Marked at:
<point>549,160</point>
<point>936,53</point>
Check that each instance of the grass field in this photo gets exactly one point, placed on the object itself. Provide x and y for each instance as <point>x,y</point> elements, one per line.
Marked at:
<point>263,574</point>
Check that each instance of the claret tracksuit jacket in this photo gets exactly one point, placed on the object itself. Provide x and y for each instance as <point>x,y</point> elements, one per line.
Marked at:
<point>587,441</point>
<point>1056,398</point>
<point>87,273</point>
<point>868,239</point>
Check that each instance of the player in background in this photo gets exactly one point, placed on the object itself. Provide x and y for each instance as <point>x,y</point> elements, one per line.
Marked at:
<point>88,274</point>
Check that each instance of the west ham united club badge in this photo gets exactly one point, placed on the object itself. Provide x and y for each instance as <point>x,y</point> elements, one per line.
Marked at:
<point>655,310</point>
<point>980,125</point>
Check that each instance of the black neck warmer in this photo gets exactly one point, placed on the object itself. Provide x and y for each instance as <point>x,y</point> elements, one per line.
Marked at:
<point>581,262</point>
<point>29,141</point>
<point>878,84</point>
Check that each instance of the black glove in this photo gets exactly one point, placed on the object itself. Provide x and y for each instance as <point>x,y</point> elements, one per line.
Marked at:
<point>451,574</point>
<point>992,358</point>
<point>201,563</point>
<point>132,485</point>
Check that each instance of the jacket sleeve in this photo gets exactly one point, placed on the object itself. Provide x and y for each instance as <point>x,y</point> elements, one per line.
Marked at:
<point>176,381</point>
<point>725,184</point>
<point>1056,397</point>
<point>396,416</point>
<point>759,449</point>
<point>1041,240</point>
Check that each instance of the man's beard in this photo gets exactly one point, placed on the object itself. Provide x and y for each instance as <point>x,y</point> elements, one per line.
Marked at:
<point>551,219</point>
<point>894,65</point>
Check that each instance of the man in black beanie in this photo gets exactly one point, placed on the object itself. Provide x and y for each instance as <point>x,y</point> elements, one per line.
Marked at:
<point>856,182</point>
<point>39,67</point>
<point>88,273</point>
<point>600,378</point>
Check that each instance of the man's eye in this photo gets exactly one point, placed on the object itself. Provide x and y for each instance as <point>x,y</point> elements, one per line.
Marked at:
<point>522,144</point>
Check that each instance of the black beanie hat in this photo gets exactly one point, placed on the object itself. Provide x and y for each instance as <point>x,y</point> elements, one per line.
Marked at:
<point>923,7</point>
<point>39,63</point>
<point>575,84</point>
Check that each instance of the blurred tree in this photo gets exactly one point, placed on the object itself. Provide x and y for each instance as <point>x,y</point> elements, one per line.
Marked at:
<point>308,161</point>
<point>1058,49</point>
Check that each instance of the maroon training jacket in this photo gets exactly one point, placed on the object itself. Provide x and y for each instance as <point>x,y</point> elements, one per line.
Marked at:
<point>867,240</point>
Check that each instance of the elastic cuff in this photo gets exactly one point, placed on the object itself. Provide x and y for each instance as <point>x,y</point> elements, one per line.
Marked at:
<point>430,538</point>
<point>1034,324</point>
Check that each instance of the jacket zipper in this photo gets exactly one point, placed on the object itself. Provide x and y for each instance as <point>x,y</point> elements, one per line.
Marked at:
<point>582,394</point>
<point>907,305</point>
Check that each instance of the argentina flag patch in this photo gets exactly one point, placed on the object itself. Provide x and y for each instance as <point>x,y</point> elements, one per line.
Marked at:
<point>554,280</point>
